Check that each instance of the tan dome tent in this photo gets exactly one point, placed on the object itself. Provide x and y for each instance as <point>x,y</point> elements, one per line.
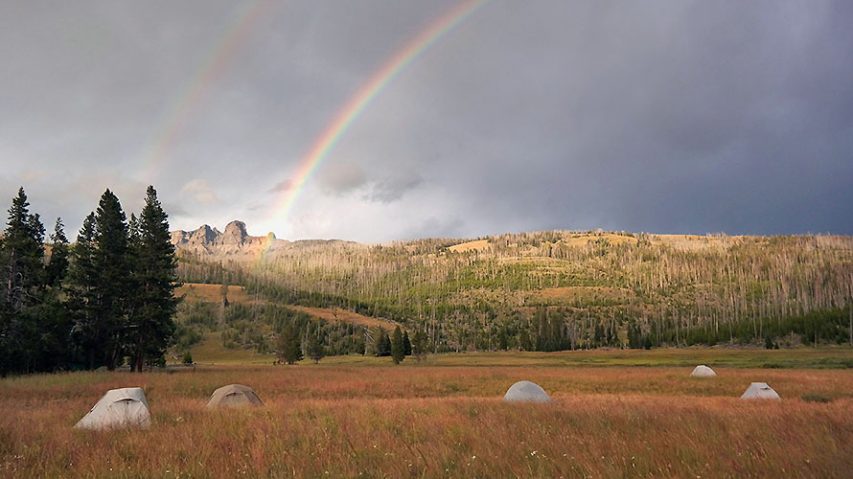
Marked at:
<point>703,371</point>
<point>126,407</point>
<point>526,391</point>
<point>760,391</point>
<point>234,395</point>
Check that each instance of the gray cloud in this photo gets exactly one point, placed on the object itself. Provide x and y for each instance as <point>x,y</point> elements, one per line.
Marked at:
<point>282,186</point>
<point>341,178</point>
<point>676,116</point>
<point>393,188</point>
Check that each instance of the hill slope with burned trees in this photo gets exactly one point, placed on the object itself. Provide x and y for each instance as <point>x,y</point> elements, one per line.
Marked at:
<point>554,290</point>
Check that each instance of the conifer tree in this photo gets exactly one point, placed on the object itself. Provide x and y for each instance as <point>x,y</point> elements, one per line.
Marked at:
<point>112,284</point>
<point>23,255</point>
<point>288,349</point>
<point>54,319</point>
<point>419,345</point>
<point>383,343</point>
<point>397,351</point>
<point>153,265</point>
<point>22,262</point>
<point>82,295</point>
<point>57,268</point>
<point>407,344</point>
<point>314,346</point>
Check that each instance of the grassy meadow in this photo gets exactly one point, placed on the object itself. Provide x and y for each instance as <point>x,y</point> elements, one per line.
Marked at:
<point>635,414</point>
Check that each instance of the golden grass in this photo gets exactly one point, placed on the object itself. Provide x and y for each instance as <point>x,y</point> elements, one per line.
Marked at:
<point>428,421</point>
<point>579,240</point>
<point>211,351</point>
<point>335,315</point>
<point>476,245</point>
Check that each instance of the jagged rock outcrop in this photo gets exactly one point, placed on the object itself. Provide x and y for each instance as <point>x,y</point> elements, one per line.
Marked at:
<point>234,240</point>
<point>235,234</point>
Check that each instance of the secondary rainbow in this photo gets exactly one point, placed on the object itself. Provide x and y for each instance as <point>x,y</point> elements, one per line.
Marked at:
<point>362,98</point>
<point>187,103</point>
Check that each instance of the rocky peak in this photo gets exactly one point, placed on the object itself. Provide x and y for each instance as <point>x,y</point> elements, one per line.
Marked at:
<point>205,235</point>
<point>235,233</point>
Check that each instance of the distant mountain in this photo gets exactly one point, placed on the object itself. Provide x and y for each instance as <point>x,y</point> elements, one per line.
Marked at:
<point>234,240</point>
<point>236,243</point>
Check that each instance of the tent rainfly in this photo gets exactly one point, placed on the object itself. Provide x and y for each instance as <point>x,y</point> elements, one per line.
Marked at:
<point>760,391</point>
<point>126,407</point>
<point>702,371</point>
<point>234,395</point>
<point>526,391</point>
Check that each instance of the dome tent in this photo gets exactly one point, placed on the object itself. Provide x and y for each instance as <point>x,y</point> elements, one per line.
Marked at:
<point>760,391</point>
<point>702,371</point>
<point>235,396</point>
<point>526,391</point>
<point>126,407</point>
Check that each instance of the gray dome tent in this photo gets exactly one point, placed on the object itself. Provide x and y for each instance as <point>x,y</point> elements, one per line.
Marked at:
<point>760,391</point>
<point>126,407</point>
<point>526,391</point>
<point>235,396</point>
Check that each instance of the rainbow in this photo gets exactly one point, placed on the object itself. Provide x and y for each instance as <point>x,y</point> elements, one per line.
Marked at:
<point>357,103</point>
<point>189,100</point>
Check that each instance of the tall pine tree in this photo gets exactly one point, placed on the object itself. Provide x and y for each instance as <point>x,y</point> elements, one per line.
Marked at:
<point>153,278</point>
<point>54,321</point>
<point>397,351</point>
<point>112,284</point>
<point>82,296</point>
<point>22,262</point>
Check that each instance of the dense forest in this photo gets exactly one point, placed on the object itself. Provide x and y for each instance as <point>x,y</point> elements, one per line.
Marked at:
<point>568,290</point>
<point>104,301</point>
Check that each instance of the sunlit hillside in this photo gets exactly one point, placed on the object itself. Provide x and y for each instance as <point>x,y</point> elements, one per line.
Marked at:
<point>565,290</point>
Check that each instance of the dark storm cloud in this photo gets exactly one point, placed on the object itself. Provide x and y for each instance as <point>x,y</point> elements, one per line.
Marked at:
<point>393,188</point>
<point>666,116</point>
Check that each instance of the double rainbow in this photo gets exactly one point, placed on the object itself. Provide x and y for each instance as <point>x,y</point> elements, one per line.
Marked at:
<point>217,62</point>
<point>361,99</point>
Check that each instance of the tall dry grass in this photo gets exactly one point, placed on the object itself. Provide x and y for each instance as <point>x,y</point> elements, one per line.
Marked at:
<point>437,422</point>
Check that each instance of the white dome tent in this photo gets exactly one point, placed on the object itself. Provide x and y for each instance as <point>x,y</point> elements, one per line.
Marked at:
<point>760,391</point>
<point>126,407</point>
<point>526,391</point>
<point>702,371</point>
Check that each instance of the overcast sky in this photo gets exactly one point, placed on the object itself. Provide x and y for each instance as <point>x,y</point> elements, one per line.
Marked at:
<point>659,116</point>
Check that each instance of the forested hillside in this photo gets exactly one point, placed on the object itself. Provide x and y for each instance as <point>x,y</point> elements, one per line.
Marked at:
<point>563,290</point>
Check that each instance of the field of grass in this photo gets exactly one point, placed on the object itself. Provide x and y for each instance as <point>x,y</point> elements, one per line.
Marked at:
<point>445,418</point>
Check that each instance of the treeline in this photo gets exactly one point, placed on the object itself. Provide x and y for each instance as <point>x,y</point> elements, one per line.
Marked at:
<point>104,301</point>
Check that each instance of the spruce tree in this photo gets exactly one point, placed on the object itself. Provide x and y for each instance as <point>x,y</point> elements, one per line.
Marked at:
<point>288,349</point>
<point>82,295</point>
<point>112,285</point>
<point>397,351</point>
<point>55,322</point>
<point>407,344</point>
<point>419,345</point>
<point>22,261</point>
<point>57,268</point>
<point>153,278</point>
<point>315,347</point>
<point>23,255</point>
<point>383,343</point>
